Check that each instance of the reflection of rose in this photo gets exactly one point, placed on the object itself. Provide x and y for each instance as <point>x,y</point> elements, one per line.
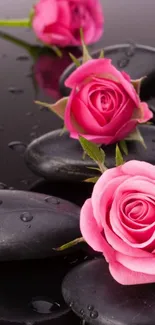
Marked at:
<point>58,22</point>
<point>47,71</point>
<point>103,106</point>
<point>119,221</point>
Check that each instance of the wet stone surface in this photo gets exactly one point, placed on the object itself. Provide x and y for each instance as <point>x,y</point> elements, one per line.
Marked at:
<point>32,225</point>
<point>44,157</point>
<point>96,297</point>
<point>31,293</point>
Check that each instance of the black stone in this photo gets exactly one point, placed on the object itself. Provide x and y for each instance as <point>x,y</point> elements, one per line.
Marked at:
<point>137,60</point>
<point>59,158</point>
<point>31,293</point>
<point>75,192</point>
<point>33,224</point>
<point>95,296</point>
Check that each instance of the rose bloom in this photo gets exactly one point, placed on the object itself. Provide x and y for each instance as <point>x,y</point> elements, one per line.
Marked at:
<point>103,106</point>
<point>119,221</point>
<point>58,22</point>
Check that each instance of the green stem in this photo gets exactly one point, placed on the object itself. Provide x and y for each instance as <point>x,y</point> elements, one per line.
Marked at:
<point>102,167</point>
<point>15,40</point>
<point>25,22</point>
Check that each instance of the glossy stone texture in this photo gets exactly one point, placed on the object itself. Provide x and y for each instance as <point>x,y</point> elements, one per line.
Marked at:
<point>59,158</point>
<point>33,224</point>
<point>97,298</point>
<point>31,293</point>
<point>137,60</point>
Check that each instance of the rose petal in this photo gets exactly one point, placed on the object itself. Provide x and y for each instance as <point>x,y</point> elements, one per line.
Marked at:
<point>91,232</point>
<point>147,114</point>
<point>101,67</point>
<point>127,277</point>
<point>147,264</point>
<point>141,168</point>
<point>46,12</point>
<point>99,188</point>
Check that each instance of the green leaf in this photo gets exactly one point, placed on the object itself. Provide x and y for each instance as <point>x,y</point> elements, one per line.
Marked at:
<point>75,60</point>
<point>136,136</point>
<point>94,168</point>
<point>86,55</point>
<point>91,180</point>
<point>123,147</point>
<point>58,108</point>
<point>101,54</point>
<point>70,244</point>
<point>137,84</point>
<point>103,155</point>
<point>92,150</point>
<point>63,131</point>
<point>118,156</point>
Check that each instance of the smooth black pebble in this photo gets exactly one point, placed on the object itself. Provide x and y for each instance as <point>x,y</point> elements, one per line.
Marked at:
<point>31,293</point>
<point>59,158</point>
<point>32,225</point>
<point>95,296</point>
<point>136,60</point>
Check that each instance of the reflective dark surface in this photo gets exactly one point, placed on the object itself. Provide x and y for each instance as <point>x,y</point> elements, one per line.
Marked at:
<point>20,119</point>
<point>27,72</point>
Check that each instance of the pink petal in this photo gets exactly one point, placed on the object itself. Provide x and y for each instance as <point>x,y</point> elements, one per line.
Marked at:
<point>147,264</point>
<point>46,11</point>
<point>92,67</point>
<point>93,138</point>
<point>102,68</point>
<point>64,14</point>
<point>124,131</point>
<point>91,233</point>
<point>127,277</point>
<point>126,76</point>
<point>84,118</point>
<point>141,168</point>
<point>147,114</point>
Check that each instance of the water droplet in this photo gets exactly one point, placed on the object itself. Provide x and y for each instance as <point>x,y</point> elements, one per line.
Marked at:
<point>26,217</point>
<point>83,322</point>
<point>43,305</point>
<point>11,188</point>
<point>82,312</point>
<point>33,134</point>
<point>17,146</point>
<point>22,58</point>
<point>123,62</point>
<point>16,91</point>
<point>94,314</point>
<point>51,199</point>
<point>71,304</point>
<point>29,114</point>
<point>3,186</point>
<point>130,51</point>
<point>90,307</point>
<point>1,202</point>
<point>43,108</point>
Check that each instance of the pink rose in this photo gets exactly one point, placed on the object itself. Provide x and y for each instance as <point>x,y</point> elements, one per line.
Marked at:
<point>119,221</point>
<point>103,107</point>
<point>58,22</point>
